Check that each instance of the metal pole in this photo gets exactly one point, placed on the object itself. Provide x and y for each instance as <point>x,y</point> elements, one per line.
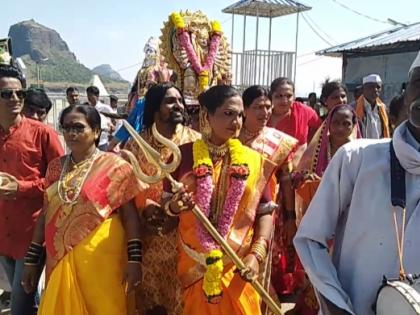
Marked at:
<point>269,52</point>
<point>231,47</point>
<point>296,45</point>
<point>243,52</point>
<point>256,47</point>
<point>233,28</point>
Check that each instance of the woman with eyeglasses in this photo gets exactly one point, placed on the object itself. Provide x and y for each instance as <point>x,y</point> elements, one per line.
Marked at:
<point>88,223</point>
<point>26,148</point>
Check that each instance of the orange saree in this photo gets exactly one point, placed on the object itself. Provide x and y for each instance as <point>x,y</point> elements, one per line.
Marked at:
<point>85,242</point>
<point>239,297</point>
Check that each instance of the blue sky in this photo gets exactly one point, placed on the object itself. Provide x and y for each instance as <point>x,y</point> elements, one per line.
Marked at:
<point>114,32</point>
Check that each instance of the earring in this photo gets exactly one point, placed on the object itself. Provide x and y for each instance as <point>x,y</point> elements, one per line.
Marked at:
<point>204,124</point>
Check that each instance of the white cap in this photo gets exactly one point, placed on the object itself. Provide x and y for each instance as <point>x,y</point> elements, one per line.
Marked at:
<point>372,78</point>
<point>415,64</point>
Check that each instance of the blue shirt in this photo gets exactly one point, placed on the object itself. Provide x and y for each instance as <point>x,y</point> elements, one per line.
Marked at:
<point>135,119</point>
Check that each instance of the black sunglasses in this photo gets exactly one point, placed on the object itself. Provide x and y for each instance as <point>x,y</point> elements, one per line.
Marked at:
<point>73,129</point>
<point>8,93</point>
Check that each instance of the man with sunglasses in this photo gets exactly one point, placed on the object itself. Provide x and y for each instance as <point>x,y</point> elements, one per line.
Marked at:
<point>26,148</point>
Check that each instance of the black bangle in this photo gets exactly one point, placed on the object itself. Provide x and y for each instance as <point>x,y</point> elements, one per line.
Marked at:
<point>34,254</point>
<point>134,251</point>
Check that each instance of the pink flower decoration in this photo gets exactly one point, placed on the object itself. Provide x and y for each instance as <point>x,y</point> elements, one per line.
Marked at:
<point>233,198</point>
<point>185,40</point>
<point>203,200</point>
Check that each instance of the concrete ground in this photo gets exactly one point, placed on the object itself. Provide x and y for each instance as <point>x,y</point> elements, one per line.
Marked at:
<point>284,306</point>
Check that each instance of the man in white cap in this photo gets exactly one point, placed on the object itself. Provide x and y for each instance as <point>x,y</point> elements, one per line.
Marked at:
<point>371,111</point>
<point>355,205</point>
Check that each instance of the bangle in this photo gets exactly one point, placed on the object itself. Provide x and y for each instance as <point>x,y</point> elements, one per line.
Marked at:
<point>134,250</point>
<point>259,249</point>
<point>34,254</point>
<point>262,239</point>
<point>259,258</point>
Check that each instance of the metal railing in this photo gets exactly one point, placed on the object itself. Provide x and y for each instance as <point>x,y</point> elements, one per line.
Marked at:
<point>60,102</point>
<point>260,67</point>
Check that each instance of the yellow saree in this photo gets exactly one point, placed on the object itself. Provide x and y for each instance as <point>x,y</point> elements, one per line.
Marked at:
<point>239,297</point>
<point>86,246</point>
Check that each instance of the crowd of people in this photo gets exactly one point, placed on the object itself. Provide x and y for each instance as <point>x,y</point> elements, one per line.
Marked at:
<point>295,191</point>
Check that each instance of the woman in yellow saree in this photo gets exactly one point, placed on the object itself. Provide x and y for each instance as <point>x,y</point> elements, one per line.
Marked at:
<point>89,224</point>
<point>228,183</point>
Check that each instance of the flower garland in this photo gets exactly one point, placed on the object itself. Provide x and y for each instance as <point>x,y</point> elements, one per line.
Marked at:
<point>203,170</point>
<point>185,40</point>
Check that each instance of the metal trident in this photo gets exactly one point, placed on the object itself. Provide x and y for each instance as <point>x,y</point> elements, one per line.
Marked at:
<point>163,170</point>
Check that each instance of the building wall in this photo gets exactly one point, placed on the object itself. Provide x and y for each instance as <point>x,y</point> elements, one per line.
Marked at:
<point>393,69</point>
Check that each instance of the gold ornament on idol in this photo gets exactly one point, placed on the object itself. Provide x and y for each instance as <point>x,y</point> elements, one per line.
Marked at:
<point>71,181</point>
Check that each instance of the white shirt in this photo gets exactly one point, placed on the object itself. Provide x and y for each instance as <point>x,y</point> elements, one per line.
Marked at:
<point>103,108</point>
<point>372,122</point>
<point>353,206</point>
<point>105,122</point>
<point>118,122</point>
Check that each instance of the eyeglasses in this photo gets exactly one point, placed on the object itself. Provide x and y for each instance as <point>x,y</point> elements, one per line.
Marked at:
<point>8,93</point>
<point>73,129</point>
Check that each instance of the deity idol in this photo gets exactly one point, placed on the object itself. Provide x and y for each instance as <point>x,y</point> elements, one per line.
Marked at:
<point>196,49</point>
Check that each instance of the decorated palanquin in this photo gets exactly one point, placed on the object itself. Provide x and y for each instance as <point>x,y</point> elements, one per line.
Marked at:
<point>154,69</point>
<point>197,51</point>
<point>5,51</point>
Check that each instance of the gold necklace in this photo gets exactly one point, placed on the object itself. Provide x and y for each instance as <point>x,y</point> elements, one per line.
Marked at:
<point>250,134</point>
<point>220,191</point>
<point>217,152</point>
<point>71,182</point>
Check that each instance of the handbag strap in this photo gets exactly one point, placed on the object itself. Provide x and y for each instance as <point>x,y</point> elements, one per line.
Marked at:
<point>398,197</point>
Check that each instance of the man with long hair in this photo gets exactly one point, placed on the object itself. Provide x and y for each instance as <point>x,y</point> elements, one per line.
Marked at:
<point>160,292</point>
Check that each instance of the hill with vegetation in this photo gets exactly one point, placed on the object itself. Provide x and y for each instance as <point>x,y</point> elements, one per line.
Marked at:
<point>42,49</point>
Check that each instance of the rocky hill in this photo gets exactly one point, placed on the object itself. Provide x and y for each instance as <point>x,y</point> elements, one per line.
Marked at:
<point>43,48</point>
<point>106,71</point>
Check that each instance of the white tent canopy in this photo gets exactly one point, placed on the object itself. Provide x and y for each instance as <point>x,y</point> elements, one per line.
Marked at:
<point>96,81</point>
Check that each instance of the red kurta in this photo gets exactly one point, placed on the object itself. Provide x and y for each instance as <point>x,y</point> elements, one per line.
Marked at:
<point>25,152</point>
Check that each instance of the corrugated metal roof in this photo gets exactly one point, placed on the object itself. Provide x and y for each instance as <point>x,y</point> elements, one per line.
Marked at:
<point>393,38</point>
<point>266,8</point>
